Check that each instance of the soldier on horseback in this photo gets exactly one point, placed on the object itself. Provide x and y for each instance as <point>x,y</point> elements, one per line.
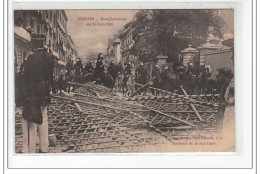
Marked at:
<point>78,70</point>
<point>88,68</point>
<point>100,69</point>
<point>69,65</point>
<point>164,77</point>
<point>69,74</point>
<point>142,75</point>
<point>156,79</point>
<point>127,73</point>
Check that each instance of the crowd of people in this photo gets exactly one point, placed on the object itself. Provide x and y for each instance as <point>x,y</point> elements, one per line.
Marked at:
<point>35,79</point>
<point>193,78</point>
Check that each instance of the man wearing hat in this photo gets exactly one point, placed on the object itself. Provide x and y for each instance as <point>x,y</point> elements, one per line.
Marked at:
<point>88,68</point>
<point>164,76</point>
<point>128,69</point>
<point>99,71</point>
<point>38,72</point>
<point>142,75</point>
<point>78,67</point>
<point>69,65</point>
<point>156,78</point>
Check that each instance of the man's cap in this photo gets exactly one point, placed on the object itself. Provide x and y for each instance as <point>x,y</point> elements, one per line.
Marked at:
<point>166,67</point>
<point>156,65</point>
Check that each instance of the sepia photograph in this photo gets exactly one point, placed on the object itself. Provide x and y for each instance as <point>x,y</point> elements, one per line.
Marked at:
<point>124,80</point>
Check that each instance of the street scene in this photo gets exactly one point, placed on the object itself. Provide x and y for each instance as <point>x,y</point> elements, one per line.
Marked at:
<point>124,81</point>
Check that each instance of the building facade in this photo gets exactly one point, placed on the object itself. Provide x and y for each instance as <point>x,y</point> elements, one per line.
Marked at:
<point>127,43</point>
<point>216,56</point>
<point>114,49</point>
<point>52,24</point>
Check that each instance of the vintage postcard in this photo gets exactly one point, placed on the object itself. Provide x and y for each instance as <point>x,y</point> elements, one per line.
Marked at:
<point>160,85</point>
<point>124,81</point>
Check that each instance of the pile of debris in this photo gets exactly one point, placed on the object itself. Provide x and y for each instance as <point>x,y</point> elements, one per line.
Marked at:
<point>95,119</point>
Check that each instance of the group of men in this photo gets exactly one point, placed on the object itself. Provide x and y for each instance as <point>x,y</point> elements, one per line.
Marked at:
<point>37,76</point>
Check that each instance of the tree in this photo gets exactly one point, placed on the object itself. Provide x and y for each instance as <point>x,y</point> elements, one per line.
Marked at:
<point>170,31</point>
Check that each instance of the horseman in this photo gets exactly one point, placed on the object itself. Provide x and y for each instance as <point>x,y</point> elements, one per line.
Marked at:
<point>202,69</point>
<point>128,69</point>
<point>208,71</point>
<point>120,68</point>
<point>69,65</point>
<point>62,81</point>
<point>201,78</point>
<point>189,69</point>
<point>164,76</point>
<point>78,67</point>
<point>156,77</point>
<point>142,73</point>
<point>78,70</point>
<point>127,72</point>
<point>111,66</point>
<point>100,69</point>
<point>113,70</point>
<point>68,74</point>
<point>88,68</point>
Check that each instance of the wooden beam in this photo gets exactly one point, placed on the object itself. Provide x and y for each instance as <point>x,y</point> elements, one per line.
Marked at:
<point>192,106</point>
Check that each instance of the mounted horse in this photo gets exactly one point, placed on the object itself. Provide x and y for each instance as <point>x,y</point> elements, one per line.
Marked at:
<point>188,81</point>
<point>129,85</point>
<point>200,83</point>
<point>69,77</point>
<point>170,81</point>
<point>142,77</point>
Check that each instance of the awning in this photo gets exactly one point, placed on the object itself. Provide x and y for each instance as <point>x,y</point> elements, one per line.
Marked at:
<point>61,63</point>
<point>19,31</point>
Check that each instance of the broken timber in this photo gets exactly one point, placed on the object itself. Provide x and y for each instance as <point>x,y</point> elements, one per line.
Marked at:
<point>192,106</point>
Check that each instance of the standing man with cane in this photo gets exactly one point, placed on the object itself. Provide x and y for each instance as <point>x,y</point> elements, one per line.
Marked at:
<point>38,72</point>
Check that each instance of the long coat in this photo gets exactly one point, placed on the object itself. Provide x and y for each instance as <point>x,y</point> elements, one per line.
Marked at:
<point>142,74</point>
<point>69,65</point>
<point>99,71</point>
<point>78,68</point>
<point>37,77</point>
<point>156,78</point>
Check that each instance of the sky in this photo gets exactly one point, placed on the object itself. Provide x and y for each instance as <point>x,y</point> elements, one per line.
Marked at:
<point>94,38</point>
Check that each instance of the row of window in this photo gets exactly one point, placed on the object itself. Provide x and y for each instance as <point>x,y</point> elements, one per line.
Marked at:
<point>52,14</point>
<point>127,40</point>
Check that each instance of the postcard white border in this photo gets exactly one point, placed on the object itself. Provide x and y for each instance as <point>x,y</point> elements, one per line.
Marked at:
<point>243,68</point>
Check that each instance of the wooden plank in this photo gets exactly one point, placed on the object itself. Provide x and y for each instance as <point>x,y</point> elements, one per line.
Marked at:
<point>167,115</point>
<point>192,106</point>
<point>78,107</point>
